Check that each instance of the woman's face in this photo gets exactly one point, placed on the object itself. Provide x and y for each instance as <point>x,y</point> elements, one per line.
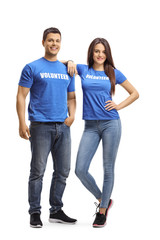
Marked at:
<point>99,54</point>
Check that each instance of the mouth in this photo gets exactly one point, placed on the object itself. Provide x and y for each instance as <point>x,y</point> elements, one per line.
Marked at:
<point>100,59</point>
<point>53,48</point>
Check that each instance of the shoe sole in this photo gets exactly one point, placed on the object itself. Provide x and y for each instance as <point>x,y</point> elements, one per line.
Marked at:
<point>60,221</point>
<point>109,207</point>
<point>37,226</point>
<point>99,226</point>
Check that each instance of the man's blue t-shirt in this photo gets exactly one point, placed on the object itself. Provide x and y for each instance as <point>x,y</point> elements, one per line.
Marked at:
<point>96,88</point>
<point>49,83</point>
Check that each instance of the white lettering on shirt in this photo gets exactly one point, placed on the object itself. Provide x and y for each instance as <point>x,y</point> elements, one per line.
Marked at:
<point>54,75</point>
<point>97,77</point>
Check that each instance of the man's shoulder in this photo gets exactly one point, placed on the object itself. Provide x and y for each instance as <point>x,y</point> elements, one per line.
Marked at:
<point>62,67</point>
<point>35,62</point>
<point>35,65</point>
<point>61,64</point>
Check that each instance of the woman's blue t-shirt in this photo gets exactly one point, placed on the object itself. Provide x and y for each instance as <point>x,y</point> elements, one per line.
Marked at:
<point>96,88</point>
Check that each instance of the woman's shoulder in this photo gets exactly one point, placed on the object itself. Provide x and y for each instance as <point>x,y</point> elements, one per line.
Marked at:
<point>120,77</point>
<point>81,68</point>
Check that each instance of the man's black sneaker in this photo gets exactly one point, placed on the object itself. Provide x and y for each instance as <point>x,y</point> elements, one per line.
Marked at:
<point>35,220</point>
<point>61,217</point>
<point>100,219</point>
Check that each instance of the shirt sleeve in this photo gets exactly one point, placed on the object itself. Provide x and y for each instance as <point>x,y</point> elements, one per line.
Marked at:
<point>26,79</point>
<point>71,87</point>
<point>81,68</point>
<point>120,78</point>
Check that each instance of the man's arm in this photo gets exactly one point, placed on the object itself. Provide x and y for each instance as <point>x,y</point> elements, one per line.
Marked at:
<point>71,67</point>
<point>21,97</point>
<point>71,108</point>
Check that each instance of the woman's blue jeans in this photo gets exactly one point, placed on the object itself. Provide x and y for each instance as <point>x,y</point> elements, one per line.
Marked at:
<point>46,138</point>
<point>110,133</point>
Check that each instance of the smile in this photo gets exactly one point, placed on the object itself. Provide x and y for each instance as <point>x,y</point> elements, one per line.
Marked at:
<point>100,59</point>
<point>53,48</point>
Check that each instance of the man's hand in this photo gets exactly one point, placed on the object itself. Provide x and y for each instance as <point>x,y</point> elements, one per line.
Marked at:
<point>68,121</point>
<point>24,131</point>
<point>71,68</point>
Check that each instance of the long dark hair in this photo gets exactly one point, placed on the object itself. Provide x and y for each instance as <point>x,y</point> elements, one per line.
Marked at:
<point>108,64</point>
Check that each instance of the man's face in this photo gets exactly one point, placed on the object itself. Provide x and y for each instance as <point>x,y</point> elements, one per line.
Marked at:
<point>52,44</point>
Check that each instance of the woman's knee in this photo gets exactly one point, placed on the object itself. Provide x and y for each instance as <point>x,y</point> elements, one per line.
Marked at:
<point>79,171</point>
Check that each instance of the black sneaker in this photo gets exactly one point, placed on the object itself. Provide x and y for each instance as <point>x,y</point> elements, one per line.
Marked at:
<point>100,219</point>
<point>61,217</point>
<point>110,204</point>
<point>35,220</point>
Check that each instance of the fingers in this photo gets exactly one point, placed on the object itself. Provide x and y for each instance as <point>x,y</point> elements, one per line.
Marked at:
<point>24,133</point>
<point>28,133</point>
<point>76,72</point>
<point>110,105</point>
<point>68,121</point>
<point>71,68</point>
<point>72,71</point>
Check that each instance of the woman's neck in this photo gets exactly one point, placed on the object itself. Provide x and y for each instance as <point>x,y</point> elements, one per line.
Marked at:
<point>98,67</point>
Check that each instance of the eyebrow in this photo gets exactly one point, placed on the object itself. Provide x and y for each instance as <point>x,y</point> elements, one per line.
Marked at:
<point>54,39</point>
<point>99,49</point>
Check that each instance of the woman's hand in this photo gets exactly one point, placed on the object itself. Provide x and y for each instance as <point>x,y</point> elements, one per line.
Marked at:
<point>133,96</point>
<point>111,105</point>
<point>71,68</point>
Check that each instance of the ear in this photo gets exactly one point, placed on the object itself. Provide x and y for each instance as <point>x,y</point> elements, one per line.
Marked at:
<point>43,43</point>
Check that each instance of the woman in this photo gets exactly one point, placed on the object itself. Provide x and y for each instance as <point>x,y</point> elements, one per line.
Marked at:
<point>102,121</point>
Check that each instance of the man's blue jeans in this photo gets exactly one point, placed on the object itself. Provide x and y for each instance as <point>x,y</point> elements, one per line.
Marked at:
<point>110,133</point>
<point>46,138</point>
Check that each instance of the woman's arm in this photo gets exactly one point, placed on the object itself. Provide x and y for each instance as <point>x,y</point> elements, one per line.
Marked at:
<point>133,96</point>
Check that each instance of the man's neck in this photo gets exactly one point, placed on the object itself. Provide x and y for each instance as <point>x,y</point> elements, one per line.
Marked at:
<point>50,58</point>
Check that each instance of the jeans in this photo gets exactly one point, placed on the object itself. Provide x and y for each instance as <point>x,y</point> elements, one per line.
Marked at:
<point>95,130</point>
<point>46,138</point>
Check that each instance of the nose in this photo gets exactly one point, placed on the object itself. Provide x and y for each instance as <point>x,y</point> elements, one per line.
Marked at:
<point>53,43</point>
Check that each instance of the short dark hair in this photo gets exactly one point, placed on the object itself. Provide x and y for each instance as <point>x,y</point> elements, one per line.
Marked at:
<point>50,30</point>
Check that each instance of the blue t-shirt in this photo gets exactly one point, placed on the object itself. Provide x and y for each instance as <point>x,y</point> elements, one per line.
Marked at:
<point>96,88</point>
<point>49,83</point>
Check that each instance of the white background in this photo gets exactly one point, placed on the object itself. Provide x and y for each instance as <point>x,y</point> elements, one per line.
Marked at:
<point>132,29</point>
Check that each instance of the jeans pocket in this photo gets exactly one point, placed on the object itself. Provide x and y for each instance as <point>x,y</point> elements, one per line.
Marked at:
<point>66,125</point>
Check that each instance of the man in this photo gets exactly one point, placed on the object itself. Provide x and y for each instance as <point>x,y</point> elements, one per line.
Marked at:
<point>52,98</point>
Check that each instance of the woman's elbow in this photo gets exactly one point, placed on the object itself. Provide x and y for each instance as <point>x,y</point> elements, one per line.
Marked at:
<point>137,94</point>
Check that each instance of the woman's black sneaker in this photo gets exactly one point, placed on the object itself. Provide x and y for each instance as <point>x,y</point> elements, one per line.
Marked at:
<point>100,219</point>
<point>35,220</point>
<point>61,217</point>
